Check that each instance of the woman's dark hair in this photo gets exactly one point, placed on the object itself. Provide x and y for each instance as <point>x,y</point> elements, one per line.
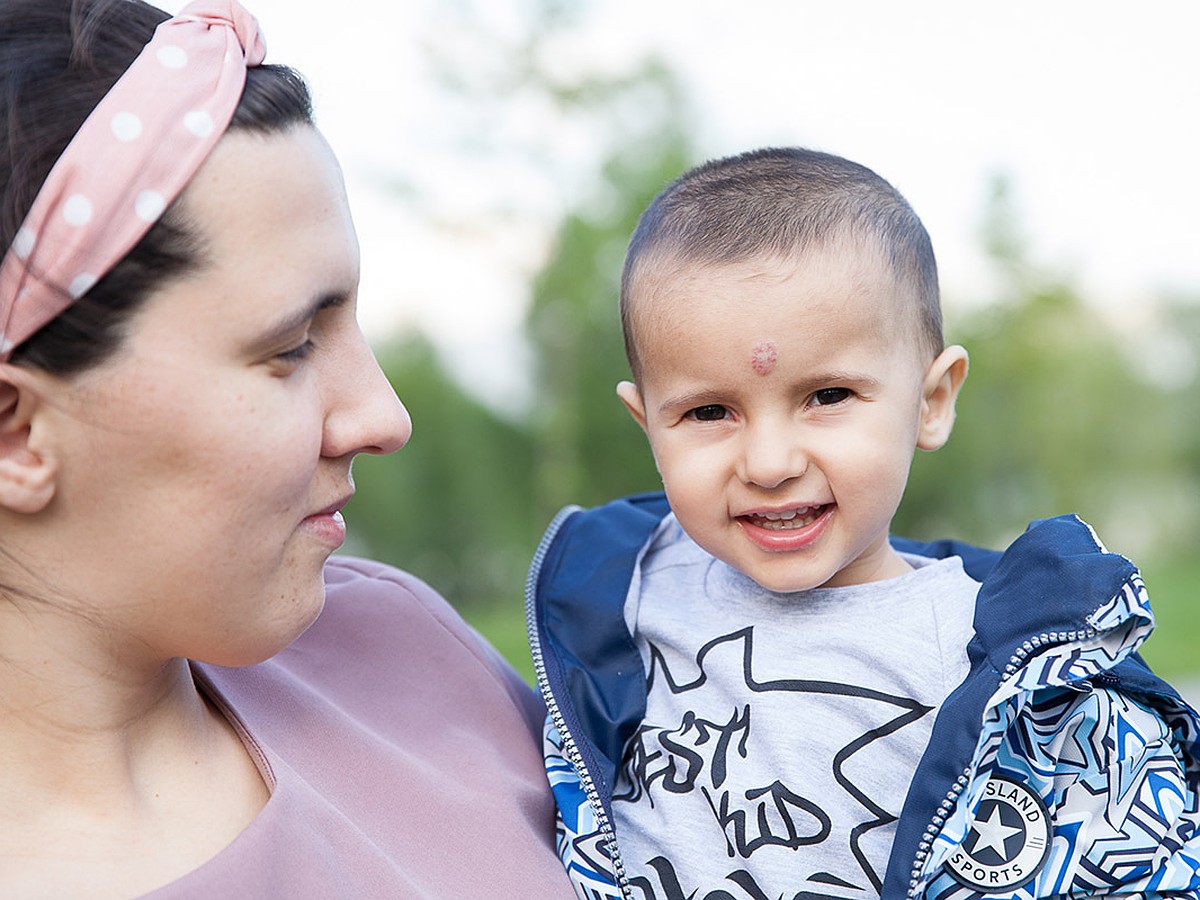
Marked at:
<point>58,58</point>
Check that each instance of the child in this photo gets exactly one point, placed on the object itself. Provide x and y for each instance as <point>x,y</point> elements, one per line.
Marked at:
<point>753,691</point>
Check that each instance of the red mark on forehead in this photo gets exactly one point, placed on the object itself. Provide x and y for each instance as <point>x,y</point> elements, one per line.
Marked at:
<point>763,357</point>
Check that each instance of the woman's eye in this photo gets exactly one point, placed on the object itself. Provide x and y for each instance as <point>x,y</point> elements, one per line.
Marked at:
<point>298,352</point>
<point>830,396</point>
<point>711,413</point>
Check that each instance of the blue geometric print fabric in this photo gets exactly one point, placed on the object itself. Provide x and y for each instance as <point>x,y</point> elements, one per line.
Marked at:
<point>1119,777</point>
<point>580,839</point>
<point>1123,811</point>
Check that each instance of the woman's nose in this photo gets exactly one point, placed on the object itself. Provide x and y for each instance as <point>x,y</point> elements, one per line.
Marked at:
<point>364,415</point>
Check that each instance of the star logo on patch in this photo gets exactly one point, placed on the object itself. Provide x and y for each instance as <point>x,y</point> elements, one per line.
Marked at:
<point>1009,839</point>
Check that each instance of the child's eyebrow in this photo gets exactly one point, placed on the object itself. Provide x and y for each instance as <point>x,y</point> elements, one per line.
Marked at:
<point>826,379</point>
<point>690,400</point>
<point>860,381</point>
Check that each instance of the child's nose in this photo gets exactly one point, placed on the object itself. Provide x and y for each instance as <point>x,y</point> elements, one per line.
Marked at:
<point>769,460</point>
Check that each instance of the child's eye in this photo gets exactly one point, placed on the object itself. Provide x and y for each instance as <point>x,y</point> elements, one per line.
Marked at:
<point>830,396</point>
<point>713,412</point>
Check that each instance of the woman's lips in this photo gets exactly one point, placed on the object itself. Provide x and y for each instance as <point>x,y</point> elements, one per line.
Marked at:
<point>329,527</point>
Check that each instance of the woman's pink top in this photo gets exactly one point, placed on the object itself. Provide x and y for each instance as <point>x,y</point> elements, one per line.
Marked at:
<point>402,755</point>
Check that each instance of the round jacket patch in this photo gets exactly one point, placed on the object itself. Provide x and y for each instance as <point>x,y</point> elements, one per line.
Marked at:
<point>1008,841</point>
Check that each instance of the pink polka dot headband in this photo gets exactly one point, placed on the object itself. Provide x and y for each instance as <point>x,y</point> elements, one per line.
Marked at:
<point>129,160</point>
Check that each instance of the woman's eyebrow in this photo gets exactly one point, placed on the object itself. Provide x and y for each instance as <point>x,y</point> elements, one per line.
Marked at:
<point>286,326</point>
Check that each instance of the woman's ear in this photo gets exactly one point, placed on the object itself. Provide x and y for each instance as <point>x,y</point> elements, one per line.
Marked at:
<point>28,476</point>
<point>943,380</point>
<point>632,398</point>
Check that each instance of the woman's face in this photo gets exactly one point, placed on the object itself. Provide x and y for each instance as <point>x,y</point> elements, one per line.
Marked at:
<point>202,468</point>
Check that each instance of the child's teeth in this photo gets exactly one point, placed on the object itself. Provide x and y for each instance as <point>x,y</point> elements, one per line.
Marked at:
<point>788,515</point>
<point>792,518</point>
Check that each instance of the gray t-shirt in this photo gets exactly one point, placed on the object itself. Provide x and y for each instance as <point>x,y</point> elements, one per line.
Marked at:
<point>782,730</point>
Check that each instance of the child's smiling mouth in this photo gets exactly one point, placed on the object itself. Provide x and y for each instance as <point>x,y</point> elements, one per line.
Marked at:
<point>787,519</point>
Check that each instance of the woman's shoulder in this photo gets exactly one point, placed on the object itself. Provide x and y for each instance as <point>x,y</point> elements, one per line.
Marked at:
<point>357,587</point>
<point>387,626</point>
<point>385,635</point>
<point>372,600</point>
<point>405,756</point>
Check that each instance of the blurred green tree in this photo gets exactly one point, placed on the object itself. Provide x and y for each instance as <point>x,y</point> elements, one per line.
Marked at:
<point>1055,416</point>
<point>454,505</point>
<point>588,448</point>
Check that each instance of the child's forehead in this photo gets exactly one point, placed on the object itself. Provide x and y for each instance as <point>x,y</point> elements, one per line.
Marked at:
<point>841,268</point>
<point>831,298</point>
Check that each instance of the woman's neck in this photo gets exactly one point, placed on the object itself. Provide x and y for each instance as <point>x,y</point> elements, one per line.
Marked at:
<point>112,760</point>
<point>91,729</point>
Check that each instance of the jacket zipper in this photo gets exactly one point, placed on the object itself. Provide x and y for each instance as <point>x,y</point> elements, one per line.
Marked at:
<point>960,784</point>
<point>570,748</point>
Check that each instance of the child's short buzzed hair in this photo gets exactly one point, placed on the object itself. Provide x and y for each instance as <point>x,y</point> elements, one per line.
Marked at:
<point>781,202</point>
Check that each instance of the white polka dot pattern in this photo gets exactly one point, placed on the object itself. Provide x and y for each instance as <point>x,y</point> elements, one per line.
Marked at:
<point>23,243</point>
<point>126,127</point>
<point>172,57</point>
<point>81,284</point>
<point>149,205</point>
<point>77,211</point>
<point>133,155</point>
<point>198,122</point>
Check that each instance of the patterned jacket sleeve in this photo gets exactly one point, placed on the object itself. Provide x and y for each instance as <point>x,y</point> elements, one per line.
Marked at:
<point>1114,776</point>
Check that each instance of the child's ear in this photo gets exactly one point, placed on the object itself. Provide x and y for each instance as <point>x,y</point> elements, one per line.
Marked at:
<point>632,398</point>
<point>27,476</point>
<point>943,380</point>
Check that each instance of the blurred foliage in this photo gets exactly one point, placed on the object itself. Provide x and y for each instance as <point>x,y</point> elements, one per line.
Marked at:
<point>453,507</point>
<point>588,448</point>
<point>1058,414</point>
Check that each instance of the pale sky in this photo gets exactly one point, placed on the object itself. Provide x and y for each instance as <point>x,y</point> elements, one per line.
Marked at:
<point>1091,106</point>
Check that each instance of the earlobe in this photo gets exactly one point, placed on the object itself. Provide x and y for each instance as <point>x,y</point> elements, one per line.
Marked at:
<point>943,380</point>
<point>632,398</point>
<point>27,476</point>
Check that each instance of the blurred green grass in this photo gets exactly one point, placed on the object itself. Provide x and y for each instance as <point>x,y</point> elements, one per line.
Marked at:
<point>1173,650</point>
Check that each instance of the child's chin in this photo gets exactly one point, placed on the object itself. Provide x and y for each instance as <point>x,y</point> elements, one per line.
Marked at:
<point>779,583</point>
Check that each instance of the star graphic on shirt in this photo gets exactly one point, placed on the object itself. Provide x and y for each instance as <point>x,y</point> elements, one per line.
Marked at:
<point>993,833</point>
